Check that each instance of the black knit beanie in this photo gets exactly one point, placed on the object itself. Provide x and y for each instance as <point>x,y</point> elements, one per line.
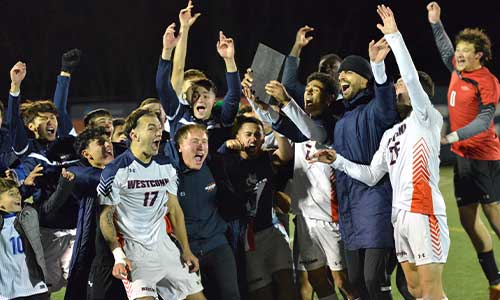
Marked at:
<point>358,65</point>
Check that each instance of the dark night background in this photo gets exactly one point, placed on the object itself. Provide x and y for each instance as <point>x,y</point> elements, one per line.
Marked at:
<point>121,40</point>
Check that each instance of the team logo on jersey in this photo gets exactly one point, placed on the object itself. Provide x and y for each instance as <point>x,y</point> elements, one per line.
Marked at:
<point>138,184</point>
<point>210,187</point>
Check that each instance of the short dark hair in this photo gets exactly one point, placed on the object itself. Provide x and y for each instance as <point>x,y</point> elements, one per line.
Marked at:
<point>205,83</point>
<point>479,39</point>
<point>6,184</point>
<point>96,113</point>
<point>328,82</point>
<point>132,119</point>
<point>241,120</point>
<point>87,136</point>
<point>183,132</point>
<point>245,109</point>
<point>330,58</point>
<point>118,122</point>
<point>192,73</point>
<point>31,109</point>
<point>426,82</point>
<point>149,101</point>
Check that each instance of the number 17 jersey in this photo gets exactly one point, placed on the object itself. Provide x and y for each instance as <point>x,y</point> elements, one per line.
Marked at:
<point>140,193</point>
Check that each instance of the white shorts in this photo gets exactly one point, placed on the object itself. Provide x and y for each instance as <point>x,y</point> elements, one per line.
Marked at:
<point>57,249</point>
<point>419,238</point>
<point>319,244</point>
<point>159,271</point>
<point>272,253</point>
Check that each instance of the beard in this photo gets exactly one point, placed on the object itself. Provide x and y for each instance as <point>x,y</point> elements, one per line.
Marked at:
<point>404,110</point>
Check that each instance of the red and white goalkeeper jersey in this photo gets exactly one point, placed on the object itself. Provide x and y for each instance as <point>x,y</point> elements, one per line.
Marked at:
<point>312,187</point>
<point>409,151</point>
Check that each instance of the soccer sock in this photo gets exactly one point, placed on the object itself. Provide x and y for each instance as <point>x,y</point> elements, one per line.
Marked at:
<point>331,297</point>
<point>489,266</point>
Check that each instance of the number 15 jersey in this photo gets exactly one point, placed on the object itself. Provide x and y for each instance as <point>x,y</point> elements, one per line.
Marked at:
<point>139,192</point>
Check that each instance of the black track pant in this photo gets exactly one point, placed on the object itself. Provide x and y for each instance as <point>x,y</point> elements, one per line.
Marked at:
<point>367,270</point>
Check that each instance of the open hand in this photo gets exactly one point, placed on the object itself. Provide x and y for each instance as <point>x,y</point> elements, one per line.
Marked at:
<point>169,38</point>
<point>378,51</point>
<point>388,19</point>
<point>36,172</point>
<point>275,89</point>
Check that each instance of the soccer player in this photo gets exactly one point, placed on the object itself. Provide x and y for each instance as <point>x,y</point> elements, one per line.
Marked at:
<point>328,64</point>
<point>247,176</point>
<point>472,99</point>
<point>23,268</point>
<point>200,107</point>
<point>312,190</point>
<point>409,152</point>
<point>136,191</point>
<point>92,262</point>
<point>118,131</point>
<point>52,148</point>
<point>197,194</point>
<point>23,272</point>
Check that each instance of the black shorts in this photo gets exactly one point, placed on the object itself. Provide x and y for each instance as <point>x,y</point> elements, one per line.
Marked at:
<point>102,285</point>
<point>476,181</point>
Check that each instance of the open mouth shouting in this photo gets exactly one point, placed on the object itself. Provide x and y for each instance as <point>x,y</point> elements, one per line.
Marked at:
<point>199,157</point>
<point>156,144</point>
<point>201,108</point>
<point>346,87</point>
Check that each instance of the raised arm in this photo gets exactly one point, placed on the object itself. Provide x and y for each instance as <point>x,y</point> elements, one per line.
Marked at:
<point>186,20</point>
<point>442,40</point>
<point>292,110</point>
<point>290,76</point>
<point>17,131</point>
<point>420,101</point>
<point>176,216</point>
<point>69,62</point>
<point>166,92</point>
<point>284,153</point>
<point>383,107</point>
<point>230,104</point>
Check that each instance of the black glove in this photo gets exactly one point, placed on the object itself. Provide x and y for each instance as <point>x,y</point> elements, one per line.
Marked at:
<point>70,60</point>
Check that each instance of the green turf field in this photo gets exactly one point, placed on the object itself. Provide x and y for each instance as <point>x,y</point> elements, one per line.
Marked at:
<point>463,278</point>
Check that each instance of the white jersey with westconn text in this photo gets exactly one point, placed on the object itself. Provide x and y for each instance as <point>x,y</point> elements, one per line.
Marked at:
<point>409,151</point>
<point>312,187</point>
<point>139,192</point>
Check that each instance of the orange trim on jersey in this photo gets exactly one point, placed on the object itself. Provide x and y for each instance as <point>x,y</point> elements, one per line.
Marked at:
<point>435,237</point>
<point>169,227</point>
<point>334,204</point>
<point>422,193</point>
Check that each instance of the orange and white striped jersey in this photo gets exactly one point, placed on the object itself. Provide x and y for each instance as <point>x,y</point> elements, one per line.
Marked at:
<point>409,151</point>
<point>312,187</point>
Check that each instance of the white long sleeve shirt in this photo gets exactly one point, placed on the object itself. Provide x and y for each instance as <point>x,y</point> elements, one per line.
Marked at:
<point>409,151</point>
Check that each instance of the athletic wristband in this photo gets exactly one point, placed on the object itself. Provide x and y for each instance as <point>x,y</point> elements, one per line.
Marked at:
<point>119,256</point>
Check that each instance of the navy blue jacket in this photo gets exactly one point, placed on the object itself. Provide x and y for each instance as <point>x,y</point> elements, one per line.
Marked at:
<point>365,212</point>
<point>179,114</point>
<point>197,194</point>
<point>51,155</point>
<point>85,192</point>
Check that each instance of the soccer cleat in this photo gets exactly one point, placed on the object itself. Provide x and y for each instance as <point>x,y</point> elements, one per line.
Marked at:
<point>495,292</point>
